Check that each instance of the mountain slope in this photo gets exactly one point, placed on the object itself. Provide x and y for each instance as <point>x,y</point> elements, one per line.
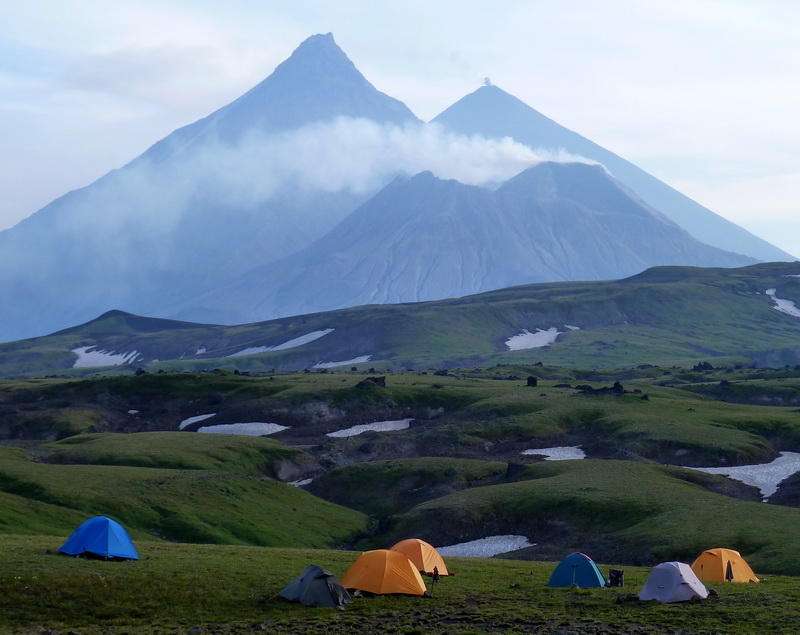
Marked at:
<point>206,203</point>
<point>664,315</point>
<point>424,238</point>
<point>491,112</point>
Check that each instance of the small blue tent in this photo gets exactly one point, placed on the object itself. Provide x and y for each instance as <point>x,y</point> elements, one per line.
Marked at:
<point>576,569</point>
<point>100,536</point>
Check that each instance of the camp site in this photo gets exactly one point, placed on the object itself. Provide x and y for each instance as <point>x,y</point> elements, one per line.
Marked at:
<point>190,588</point>
<point>465,502</point>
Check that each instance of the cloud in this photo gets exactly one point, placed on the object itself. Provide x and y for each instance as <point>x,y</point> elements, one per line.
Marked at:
<point>357,155</point>
<point>218,176</point>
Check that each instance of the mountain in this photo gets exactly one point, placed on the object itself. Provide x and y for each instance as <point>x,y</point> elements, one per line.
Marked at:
<point>199,207</point>
<point>424,238</point>
<point>215,222</point>
<point>664,315</point>
<point>491,112</point>
<point>317,83</point>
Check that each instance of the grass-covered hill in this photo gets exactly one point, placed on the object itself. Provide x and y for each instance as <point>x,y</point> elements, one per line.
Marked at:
<point>663,315</point>
<point>619,511</point>
<point>71,448</point>
<point>178,490</point>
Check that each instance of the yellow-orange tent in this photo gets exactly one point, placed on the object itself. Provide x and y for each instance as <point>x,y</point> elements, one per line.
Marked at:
<point>383,571</point>
<point>722,565</point>
<point>423,555</point>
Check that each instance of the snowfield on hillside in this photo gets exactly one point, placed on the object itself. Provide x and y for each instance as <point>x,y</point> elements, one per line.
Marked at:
<point>88,358</point>
<point>526,339</point>
<point>191,420</point>
<point>293,343</point>
<point>784,306</point>
<point>251,429</point>
<point>765,476</point>
<point>486,547</point>
<point>378,426</point>
<point>558,454</point>
<point>355,360</point>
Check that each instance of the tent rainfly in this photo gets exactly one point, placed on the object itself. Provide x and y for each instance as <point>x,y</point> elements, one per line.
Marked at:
<point>103,537</point>
<point>383,571</point>
<point>577,569</point>
<point>317,587</point>
<point>672,582</point>
<point>423,555</point>
<point>723,565</point>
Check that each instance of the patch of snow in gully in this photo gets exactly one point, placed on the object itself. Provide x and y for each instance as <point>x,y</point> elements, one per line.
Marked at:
<point>305,481</point>
<point>526,339</point>
<point>191,420</point>
<point>765,476</point>
<point>378,426</point>
<point>572,328</point>
<point>252,429</point>
<point>355,360</point>
<point>293,343</point>
<point>486,547</point>
<point>87,358</point>
<point>784,306</point>
<point>558,454</point>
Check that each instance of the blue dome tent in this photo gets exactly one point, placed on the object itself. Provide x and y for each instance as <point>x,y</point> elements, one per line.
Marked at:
<point>100,536</point>
<point>576,569</point>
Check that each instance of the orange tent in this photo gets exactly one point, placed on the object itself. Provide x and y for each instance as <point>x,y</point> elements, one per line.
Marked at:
<point>723,565</point>
<point>423,555</point>
<point>383,571</point>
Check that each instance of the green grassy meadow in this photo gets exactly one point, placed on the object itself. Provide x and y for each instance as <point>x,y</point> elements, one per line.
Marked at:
<point>213,588</point>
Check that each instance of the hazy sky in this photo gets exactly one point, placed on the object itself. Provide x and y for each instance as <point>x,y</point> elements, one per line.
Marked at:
<point>703,94</point>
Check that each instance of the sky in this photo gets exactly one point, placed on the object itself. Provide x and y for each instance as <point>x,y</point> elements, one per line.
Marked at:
<point>703,94</point>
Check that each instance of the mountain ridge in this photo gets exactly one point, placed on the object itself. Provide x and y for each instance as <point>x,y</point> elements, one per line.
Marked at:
<point>665,315</point>
<point>491,111</point>
<point>424,238</point>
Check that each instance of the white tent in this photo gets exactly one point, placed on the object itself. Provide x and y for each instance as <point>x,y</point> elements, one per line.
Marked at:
<point>672,582</point>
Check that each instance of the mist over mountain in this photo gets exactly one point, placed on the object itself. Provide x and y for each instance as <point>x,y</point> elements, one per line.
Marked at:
<point>209,201</point>
<point>424,238</point>
<point>178,230</point>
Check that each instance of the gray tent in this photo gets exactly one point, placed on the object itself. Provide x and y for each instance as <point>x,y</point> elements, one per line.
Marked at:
<point>317,587</point>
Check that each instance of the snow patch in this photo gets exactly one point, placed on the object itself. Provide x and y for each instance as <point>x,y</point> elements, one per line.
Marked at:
<point>252,429</point>
<point>558,454</point>
<point>87,357</point>
<point>765,476</point>
<point>133,412</point>
<point>191,420</point>
<point>526,339</point>
<point>378,426</point>
<point>572,328</point>
<point>486,547</point>
<point>355,360</point>
<point>305,481</point>
<point>784,306</point>
<point>200,350</point>
<point>293,343</point>
<point>791,275</point>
